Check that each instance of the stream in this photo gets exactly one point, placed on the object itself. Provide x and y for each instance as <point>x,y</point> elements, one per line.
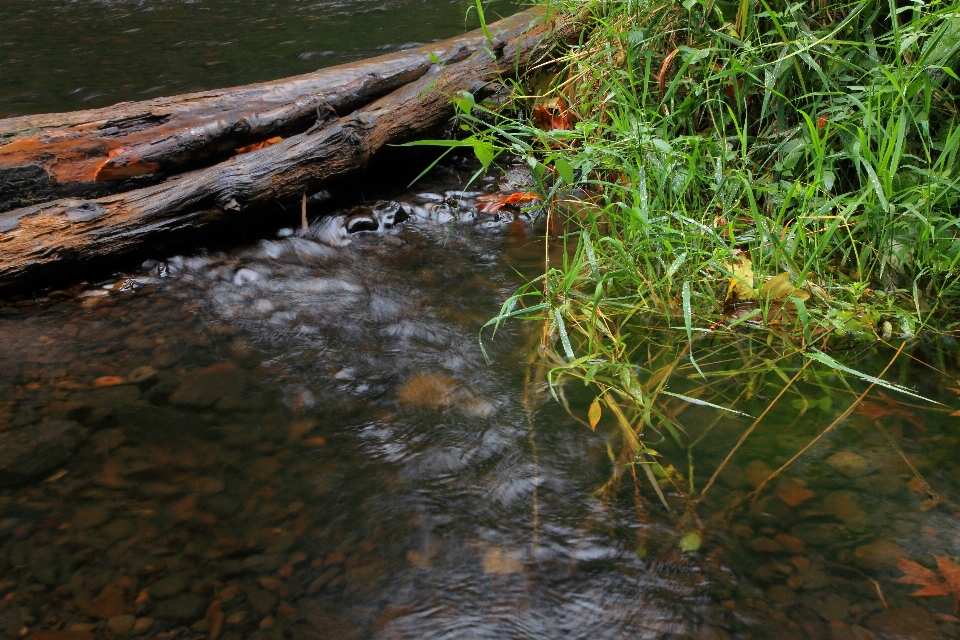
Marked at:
<point>300,436</point>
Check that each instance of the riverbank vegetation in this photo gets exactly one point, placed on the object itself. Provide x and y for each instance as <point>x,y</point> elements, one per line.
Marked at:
<point>779,176</point>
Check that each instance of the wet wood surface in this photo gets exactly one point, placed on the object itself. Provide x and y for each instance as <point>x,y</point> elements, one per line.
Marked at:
<point>47,238</point>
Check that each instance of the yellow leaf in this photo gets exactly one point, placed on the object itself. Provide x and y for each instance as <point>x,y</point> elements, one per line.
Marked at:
<point>594,413</point>
<point>779,288</point>
<point>741,283</point>
<point>956,413</point>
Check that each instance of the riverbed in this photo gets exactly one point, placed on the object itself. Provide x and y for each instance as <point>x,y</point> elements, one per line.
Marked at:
<point>296,433</point>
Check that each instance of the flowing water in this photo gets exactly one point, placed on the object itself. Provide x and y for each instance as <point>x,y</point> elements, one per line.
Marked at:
<point>63,55</point>
<point>300,437</point>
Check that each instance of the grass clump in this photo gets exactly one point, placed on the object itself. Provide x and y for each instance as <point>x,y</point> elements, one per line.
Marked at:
<point>710,167</point>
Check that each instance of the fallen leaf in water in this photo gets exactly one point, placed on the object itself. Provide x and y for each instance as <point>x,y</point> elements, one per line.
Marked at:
<point>259,145</point>
<point>552,115</point>
<point>318,441</point>
<point>497,563</point>
<point>889,407</point>
<point>929,582</point>
<point>593,414</point>
<point>495,202</point>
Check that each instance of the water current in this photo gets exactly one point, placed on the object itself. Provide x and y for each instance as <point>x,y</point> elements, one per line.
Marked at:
<point>300,437</point>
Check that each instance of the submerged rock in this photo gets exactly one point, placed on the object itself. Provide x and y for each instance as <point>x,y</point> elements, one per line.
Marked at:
<point>33,451</point>
<point>904,623</point>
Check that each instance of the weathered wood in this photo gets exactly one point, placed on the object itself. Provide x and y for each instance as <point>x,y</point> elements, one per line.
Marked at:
<point>37,240</point>
<point>133,144</point>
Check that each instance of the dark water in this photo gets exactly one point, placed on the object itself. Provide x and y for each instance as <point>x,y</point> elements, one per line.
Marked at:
<point>301,438</point>
<point>62,55</point>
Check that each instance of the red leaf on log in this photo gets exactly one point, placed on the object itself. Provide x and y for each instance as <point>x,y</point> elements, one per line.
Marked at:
<point>496,202</point>
<point>259,145</point>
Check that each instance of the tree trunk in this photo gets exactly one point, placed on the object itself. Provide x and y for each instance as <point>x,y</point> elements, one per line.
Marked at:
<point>134,144</point>
<point>39,240</point>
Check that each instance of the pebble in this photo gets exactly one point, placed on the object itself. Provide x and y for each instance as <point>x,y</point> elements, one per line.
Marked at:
<point>121,624</point>
<point>186,607</point>
<point>794,496</point>
<point>900,623</point>
<point>879,554</point>
<point>169,586</point>
<point>34,451</point>
<point>756,472</point>
<point>850,464</point>
<point>762,544</point>
<point>818,534</point>
<point>204,387</point>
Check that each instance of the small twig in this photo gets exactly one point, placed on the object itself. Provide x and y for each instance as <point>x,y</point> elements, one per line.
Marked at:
<point>303,212</point>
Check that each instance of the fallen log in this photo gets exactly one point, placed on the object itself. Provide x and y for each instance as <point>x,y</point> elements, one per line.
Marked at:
<point>40,240</point>
<point>133,144</point>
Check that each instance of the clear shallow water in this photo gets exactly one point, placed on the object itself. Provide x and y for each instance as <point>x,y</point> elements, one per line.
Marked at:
<point>58,55</point>
<point>301,438</point>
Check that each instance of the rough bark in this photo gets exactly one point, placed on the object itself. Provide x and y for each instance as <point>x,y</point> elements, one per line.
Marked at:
<point>133,144</point>
<point>40,239</point>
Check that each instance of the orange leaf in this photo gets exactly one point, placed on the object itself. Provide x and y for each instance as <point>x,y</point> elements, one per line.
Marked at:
<point>950,572</point>
<point>496,202</point>
<point>593,414</point>
<point>259,145</point>
<point>930,585</point>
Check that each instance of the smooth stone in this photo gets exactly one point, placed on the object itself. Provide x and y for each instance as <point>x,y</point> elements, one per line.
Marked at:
<point>909,622</point>
<point>91,516</point>
<point>762,544</point>
<point>757,472</point>
<point>850,464</point>
<point>814,579</point>
<point>835,608</point>
<point>169,586</point>
<point>142,624</point>
<point>845,505</point>
<point>884,484</point>
<point>781,594</point>
<point>261,601</point>
<point>818,534</point>
<point>31,452</point>
<point>203,387</point>
<point>142,374</point>
<point>186,607</point>
<point>121,624</point>
<point>879,554</point>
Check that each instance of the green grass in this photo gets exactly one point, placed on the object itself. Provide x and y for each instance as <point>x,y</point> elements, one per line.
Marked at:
<point>817,140</point>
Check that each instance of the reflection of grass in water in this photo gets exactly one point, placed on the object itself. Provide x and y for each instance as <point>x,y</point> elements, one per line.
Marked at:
<point>816,144</point>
